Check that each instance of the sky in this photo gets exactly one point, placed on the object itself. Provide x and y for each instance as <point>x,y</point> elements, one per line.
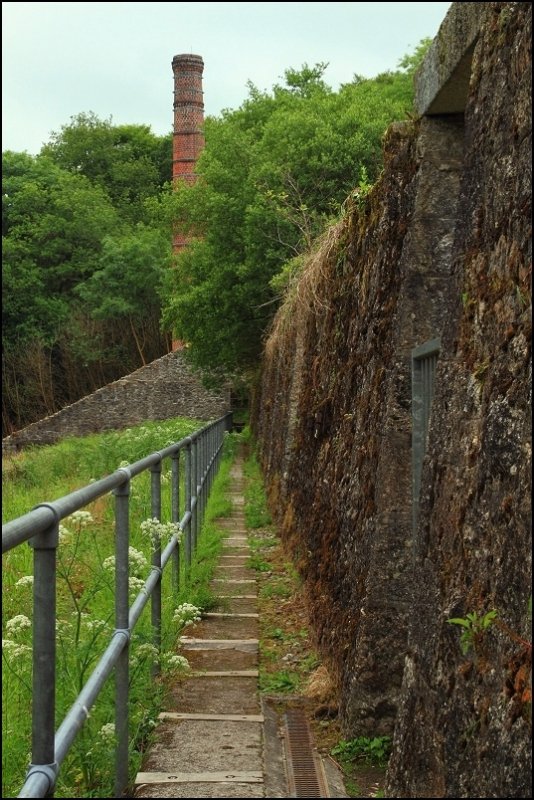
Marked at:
<point>114,59</point>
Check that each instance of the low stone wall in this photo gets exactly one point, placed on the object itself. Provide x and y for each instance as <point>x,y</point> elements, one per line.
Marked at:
<point>163,389</point>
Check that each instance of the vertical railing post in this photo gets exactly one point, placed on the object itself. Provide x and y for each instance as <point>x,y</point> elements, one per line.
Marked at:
<point>188,482</point>
<point>200,472</point>
<point>194,494</point>
<point>202,492</point>
<point>122,677</point>
<point>210,459</point>
<point>175,517</point>
<point>44,649</point>
<point>155,472</point>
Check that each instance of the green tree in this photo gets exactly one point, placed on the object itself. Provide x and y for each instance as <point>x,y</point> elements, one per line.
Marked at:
<point>273,174</point>
<point>129,162</point>
<point>127,284</point>
<point>52,225</point>
<point>71,220</point>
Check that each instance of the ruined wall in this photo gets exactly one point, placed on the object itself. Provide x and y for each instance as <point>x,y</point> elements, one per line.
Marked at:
<point>464,727</point>
<point>163,389</point>
<point>440,249</point>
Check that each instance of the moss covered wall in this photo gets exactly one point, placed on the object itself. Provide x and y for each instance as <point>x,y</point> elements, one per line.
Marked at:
<point>466,720</point>
<point>440,248</point>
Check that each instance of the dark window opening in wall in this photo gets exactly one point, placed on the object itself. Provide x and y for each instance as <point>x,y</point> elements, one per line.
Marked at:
<point>424,360</point>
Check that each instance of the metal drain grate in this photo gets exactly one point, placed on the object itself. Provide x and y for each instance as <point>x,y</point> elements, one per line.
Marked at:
<point>304,767</point>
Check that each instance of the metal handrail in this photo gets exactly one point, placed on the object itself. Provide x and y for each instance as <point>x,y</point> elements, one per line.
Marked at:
<point>40,527</point>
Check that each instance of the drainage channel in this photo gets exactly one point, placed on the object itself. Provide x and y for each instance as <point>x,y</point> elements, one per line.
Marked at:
<point>304,768</point>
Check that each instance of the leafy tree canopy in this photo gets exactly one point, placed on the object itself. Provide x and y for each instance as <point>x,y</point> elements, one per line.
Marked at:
<point>128,161</point>
<point>52,224</point>
<point>273,174</point>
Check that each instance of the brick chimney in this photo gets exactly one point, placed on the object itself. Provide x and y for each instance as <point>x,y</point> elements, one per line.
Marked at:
<point>188,139</point>
<point>188,135</point>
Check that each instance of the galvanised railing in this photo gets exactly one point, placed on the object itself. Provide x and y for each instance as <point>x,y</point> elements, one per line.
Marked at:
<point>40,527</point>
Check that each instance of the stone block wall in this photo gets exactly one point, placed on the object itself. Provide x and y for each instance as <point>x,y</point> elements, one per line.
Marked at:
<point>439,249</point>
<point>163,389</point>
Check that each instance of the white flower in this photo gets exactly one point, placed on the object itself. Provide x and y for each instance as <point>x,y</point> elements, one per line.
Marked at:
<point>107,731</point>
<point>135,584</point>
<point>186,614</point>
<point>94,624</point>
<point>147,649</point>
<point>109,562</point>
<point>137,559</point>
<point>150,528</point>
<point>175,662</point>
<point>18,623</point>
<point>64,534</point>
<point>156,530</point>
<point>81,518</point>
<point>138,562</point>
<point>27,580</point>
<point>15,649</point>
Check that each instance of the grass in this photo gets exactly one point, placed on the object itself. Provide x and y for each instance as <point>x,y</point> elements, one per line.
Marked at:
<point>373,750</point>
<point>256,512</point>
<point>85,601</point>
<point>285,658</point>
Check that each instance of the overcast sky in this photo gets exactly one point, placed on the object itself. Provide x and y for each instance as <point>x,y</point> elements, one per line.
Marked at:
<point>60,59</point>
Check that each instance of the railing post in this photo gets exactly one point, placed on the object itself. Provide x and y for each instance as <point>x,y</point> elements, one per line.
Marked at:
<point>202,491</point>
<point>175,517</point>
<point>122,572</point>
<point>211,456</point>
<point>155,471</point>
<point>188,483</point>
<point>194,493</point>
<point>44,648</point>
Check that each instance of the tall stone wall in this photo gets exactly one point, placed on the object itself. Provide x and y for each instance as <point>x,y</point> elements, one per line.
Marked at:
<point>464,726</point>
<point>163,389</point>
<point>440,249</point>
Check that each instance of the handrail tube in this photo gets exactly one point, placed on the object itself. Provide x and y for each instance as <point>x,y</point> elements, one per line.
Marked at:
<point>45,514</point>
<point>44,520</point>
<point>175,517</point>
<point>37,784</point>
<point>143,597</point>
<point>79,711</point>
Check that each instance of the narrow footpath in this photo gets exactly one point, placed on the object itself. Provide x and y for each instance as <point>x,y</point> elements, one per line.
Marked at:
<point>216,738</point>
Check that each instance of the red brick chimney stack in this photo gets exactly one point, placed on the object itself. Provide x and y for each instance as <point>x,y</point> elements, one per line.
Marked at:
<point>188,139</point>
<point>188,134</point>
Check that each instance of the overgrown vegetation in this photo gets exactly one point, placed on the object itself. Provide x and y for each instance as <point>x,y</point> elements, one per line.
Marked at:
<point>86,233</point>
<point>372,750</point>
<point>82,264</point>
<point>274,174</point>
<point>473,626</point>
<point>85,607</point>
